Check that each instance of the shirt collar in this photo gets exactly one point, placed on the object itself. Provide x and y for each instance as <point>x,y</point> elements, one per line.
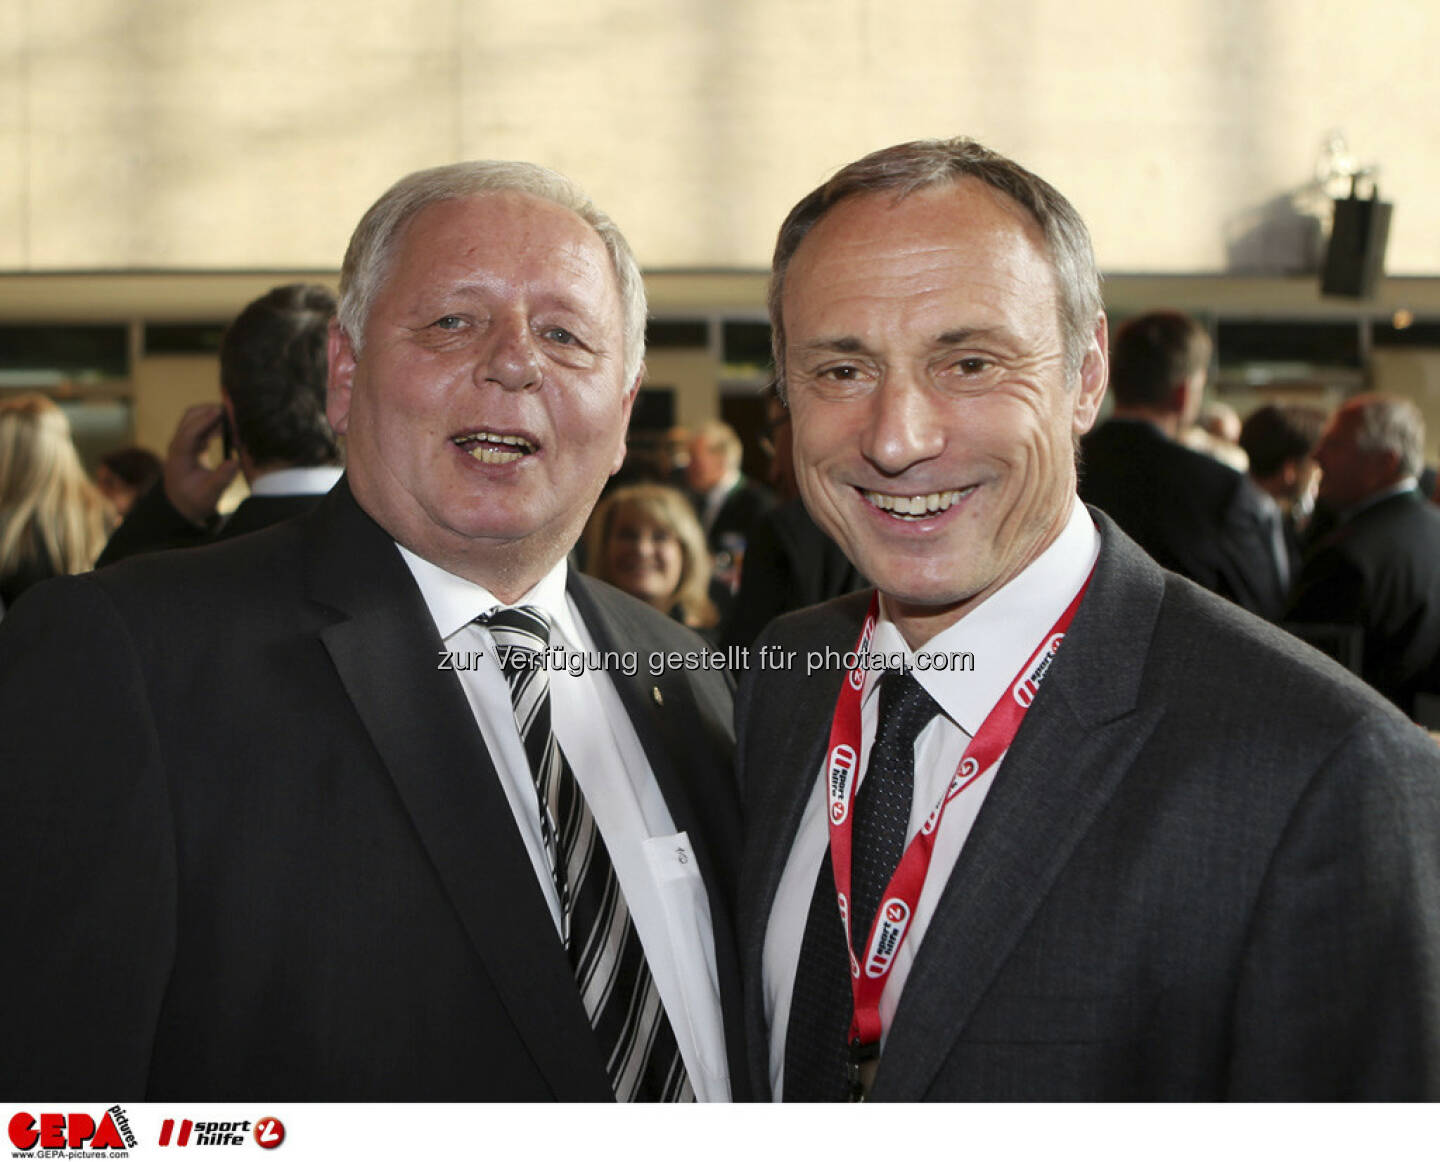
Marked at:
<point>296,481</point>
<point>454,602</point>
<point>1405,484</point>
<point>1002,632</point>
<point>714,500</point>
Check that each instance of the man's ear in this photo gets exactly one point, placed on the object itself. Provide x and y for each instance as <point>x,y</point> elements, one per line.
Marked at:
<point>627,406</point>
<point>1094,377</point>
<point>340,382</point>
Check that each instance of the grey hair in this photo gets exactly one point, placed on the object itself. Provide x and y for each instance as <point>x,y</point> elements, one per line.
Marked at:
<point>920,165</point>
<point>371,252</point>
<point>1394,425</point>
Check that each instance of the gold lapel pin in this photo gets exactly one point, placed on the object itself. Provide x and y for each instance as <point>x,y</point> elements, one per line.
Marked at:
<point>655,693</point>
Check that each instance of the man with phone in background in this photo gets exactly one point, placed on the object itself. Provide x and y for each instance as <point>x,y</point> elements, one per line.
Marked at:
<point>271,423</point>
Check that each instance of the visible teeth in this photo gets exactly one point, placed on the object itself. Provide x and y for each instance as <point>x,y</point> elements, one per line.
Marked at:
<point>916,506</point>
<point>478,445</point>
<point>494,455</point>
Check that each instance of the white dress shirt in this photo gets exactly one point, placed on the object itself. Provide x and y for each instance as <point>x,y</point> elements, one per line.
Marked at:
<point>715,500</point>
<point>1000,635</point>
<point>653,862</point>
<point>296,481</point>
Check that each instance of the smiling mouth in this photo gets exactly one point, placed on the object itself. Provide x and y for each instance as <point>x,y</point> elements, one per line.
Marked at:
<point>494,448</point>
<point>918,507</point>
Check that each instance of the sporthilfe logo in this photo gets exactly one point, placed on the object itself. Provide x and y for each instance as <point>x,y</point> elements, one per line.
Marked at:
<point>1026,688</point>
<point>842,773</point>
<point>894,920</point>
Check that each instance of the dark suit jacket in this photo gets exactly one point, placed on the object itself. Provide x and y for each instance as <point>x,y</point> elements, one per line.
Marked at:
<point>18,580</point>
<point>1380,570</point>
<point>154,523</point>
<point>1191,513</point>
<point>1209,867</point>
<point>262,852</point>
<point>789,564</point>
<point>743,506</point>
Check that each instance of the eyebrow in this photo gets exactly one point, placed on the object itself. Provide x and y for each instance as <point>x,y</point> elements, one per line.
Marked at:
<point>433,294</point>
<point>849,345</point>
<point>966,335</point>
<point>845,344</point>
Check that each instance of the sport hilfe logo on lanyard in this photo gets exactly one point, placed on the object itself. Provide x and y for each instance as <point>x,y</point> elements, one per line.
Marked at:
<point>897,902</point>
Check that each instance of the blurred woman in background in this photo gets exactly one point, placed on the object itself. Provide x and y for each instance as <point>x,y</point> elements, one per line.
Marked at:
<point>124,476</point>
<point>52,518</point>
<point>646,540</point>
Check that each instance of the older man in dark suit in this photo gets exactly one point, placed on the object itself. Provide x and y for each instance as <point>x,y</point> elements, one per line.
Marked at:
<point>385,803</point>
<point>1113,838</point>
<point>1378,569</point>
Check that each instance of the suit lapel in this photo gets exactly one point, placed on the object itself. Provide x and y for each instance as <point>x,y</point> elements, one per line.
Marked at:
<point>1070,755</point>
<point>660,732</point>
<point>780,772</point>
<point>774,804</point>
<point>385,650</point>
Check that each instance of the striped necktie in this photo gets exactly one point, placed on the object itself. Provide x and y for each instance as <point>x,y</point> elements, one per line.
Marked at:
<point>616,988</point>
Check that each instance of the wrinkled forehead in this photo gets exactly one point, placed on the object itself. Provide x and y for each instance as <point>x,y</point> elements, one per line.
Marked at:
<point>961,224</point>
<point>945,257</point>
<point>517,234</point>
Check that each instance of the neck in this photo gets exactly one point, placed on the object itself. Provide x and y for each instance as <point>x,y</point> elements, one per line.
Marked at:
<point>1377,493</point>
<point>1167,422</point>
<point>508,584</point>
<point>920,624</point>
<point>509,567</point>
<point>506,569</point>
<point>1275,487</point>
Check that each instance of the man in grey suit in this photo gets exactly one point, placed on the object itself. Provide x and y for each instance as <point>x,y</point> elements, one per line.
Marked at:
<point>1114,838</point>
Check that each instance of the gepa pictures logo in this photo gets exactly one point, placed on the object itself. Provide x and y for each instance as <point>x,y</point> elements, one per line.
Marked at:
<point>72,1131</point>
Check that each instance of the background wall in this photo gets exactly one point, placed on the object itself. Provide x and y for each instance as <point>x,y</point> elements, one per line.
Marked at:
<point>250,134</point>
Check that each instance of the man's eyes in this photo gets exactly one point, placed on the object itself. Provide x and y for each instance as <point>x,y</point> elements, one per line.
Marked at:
<point>849,372</point>
<point>555,334</point>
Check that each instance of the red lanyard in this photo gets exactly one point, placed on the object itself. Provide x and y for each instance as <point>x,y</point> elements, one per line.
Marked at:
<point>897,905</point>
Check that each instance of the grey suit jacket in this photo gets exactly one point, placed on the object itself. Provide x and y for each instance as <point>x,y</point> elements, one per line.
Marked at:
<point>1209,867</point>
<point>262,848</point>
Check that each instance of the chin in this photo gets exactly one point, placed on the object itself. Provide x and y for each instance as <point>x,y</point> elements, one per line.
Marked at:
<point>934,592</point>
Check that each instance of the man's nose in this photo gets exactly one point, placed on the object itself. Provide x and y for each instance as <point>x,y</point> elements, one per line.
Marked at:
<point>904,429</point>
<point>509,358</point>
